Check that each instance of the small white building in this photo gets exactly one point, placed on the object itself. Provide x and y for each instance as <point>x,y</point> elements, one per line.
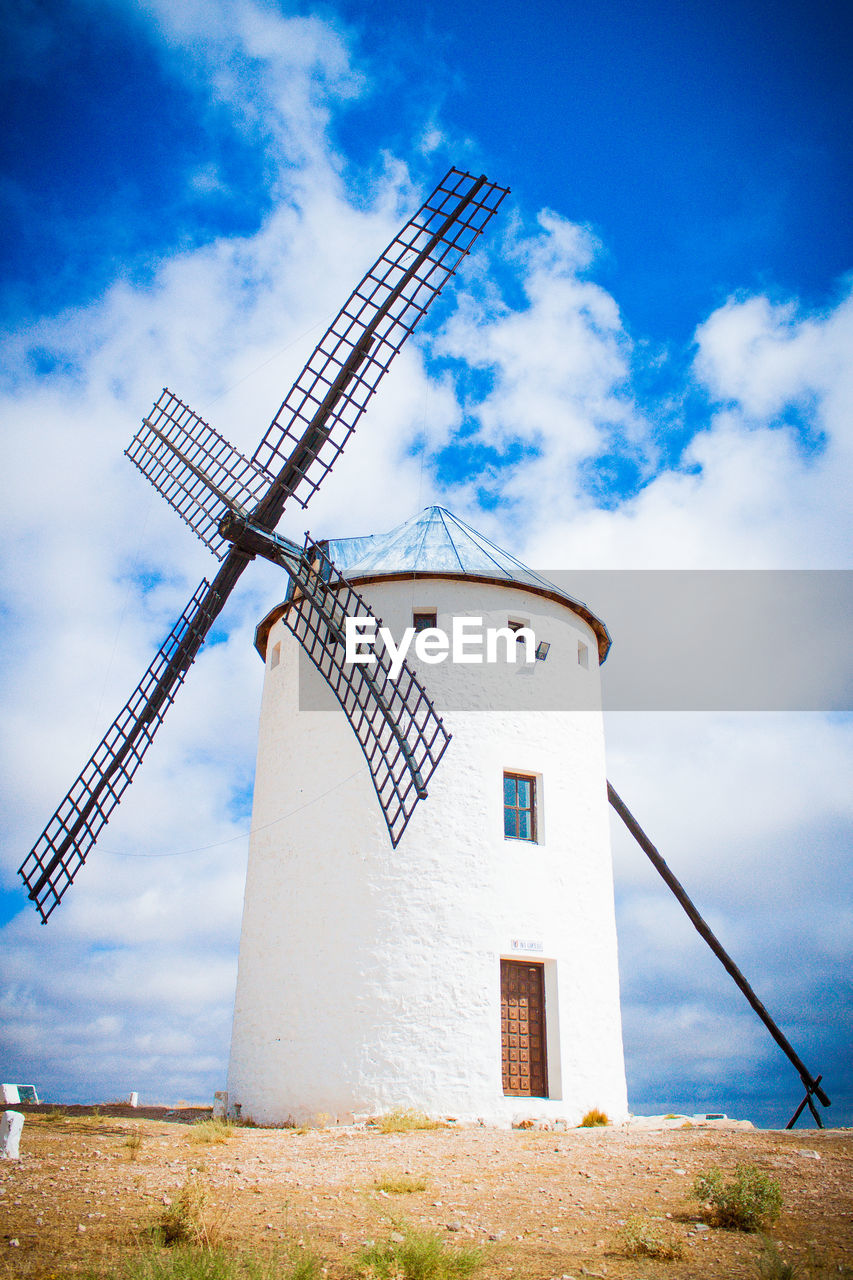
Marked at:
<point>473,970</point>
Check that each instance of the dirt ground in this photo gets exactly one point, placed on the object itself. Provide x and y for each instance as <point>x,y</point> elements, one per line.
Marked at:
<point>540,1203</point>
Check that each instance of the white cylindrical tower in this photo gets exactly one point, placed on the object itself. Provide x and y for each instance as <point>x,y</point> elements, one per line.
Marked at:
<point>473,970</point>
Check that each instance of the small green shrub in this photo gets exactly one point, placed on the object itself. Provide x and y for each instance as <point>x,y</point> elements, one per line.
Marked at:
<point>417,1255</point>
<point>746,1201</point>
<point>55,1115</point>
<point>210,1131</point>
<point>400,1184</point>
<point>404,1120</point>
<point>646,1238</point>
<point>594,1118</point>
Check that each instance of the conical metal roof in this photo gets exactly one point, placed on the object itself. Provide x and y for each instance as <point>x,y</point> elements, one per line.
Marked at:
<point>436,543</point>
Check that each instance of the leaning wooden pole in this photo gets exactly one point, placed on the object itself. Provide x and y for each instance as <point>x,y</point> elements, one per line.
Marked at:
<point>812,1084</point>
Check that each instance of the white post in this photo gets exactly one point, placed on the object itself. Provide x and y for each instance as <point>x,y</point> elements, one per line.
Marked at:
<point>133,1100</point>
<point>11,1124</point>
<point>220,1104</point>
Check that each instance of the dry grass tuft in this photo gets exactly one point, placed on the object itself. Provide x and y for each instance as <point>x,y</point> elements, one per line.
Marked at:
<point>133,1142</point>
<point>190,1219</point>
<point>400,1184</point>
<point>644,1237</point>
<point>770,1265</point>
<point>210,1131</point>
<point>404,1120</point>
<point>594,1118</point>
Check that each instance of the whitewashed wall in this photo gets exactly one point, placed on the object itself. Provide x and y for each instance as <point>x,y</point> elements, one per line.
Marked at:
<point>369,977</point>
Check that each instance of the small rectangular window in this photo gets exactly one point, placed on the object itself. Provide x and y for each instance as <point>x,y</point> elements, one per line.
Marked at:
<point>583,655</point>
<point>519,807</point>
<point>423,620</point>
<point>275,656</point>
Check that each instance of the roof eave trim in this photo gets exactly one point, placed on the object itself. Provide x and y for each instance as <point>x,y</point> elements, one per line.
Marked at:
<point>602,635</point>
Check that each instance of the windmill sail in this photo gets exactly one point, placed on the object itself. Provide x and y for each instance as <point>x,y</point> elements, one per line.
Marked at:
<point>195,469</point>
<point>393,719</point>
<point>202,476</point>
<point>63,846</point>
<point>209,483</point>
<point>395,722</point>
<point>322,408</point>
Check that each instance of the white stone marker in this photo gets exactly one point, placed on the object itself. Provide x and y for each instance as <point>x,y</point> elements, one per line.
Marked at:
<point>133,1100</point>
<point>9,1093</point>
<point>220,1104</point>
<point>11,1124</point>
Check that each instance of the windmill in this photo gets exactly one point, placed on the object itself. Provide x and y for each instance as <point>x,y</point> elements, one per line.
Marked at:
<point>234,504</point>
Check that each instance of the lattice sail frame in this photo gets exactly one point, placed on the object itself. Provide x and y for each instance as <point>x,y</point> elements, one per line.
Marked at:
<point>207,480</point>
<point>199,473</point>
<point>397,727</point>
<point>369,330</point>
<point>64,845</point>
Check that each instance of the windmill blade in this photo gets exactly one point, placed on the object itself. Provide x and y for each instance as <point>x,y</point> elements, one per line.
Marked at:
<point>195,469</point>
<point>64,845</point>
<point>203,477</point>
<point>395,722</point>
<point>322,408</point>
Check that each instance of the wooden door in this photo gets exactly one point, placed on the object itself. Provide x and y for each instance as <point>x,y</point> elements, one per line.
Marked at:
<point>523,1029</point>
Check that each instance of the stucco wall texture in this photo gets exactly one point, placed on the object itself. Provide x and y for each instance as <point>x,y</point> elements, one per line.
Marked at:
<point>369,978</point>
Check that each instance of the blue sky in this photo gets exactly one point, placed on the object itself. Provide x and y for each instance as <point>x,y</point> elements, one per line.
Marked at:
<point>647,366</point>
<point>709,147</point>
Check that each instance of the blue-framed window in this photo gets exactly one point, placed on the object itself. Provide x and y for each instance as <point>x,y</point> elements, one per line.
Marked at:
<point>519,807</point>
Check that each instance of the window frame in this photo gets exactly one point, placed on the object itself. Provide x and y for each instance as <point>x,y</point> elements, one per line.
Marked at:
<point>419,617</point>
<point>517,809</point>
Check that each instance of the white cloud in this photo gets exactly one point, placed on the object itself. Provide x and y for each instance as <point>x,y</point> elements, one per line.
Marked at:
<point>278,77</point>
<point>559,368</point>
<point>763,484</point>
